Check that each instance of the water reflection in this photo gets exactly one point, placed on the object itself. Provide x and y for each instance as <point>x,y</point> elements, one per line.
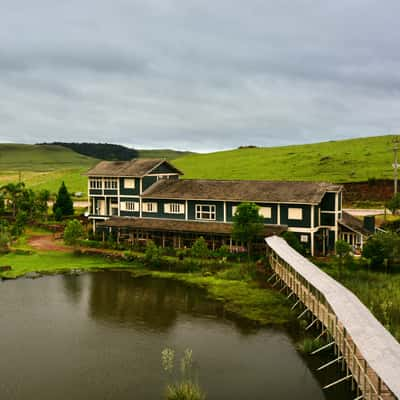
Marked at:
<point>145,302</point>
<point>100,336</point>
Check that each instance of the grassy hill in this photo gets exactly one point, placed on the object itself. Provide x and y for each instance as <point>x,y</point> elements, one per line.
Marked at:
<point>355,160</point>
<point>40,158</point>
<point>163,153</point>
<point>352,160</point>
<point>45,166</point>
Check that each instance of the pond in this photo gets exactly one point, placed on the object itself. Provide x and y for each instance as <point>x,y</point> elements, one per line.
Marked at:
<point>100,336</point>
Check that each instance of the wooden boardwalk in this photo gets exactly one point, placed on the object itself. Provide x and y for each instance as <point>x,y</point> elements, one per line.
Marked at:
<point>368,352</point>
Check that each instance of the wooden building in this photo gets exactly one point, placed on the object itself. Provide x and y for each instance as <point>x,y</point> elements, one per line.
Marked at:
<point>144,198</point>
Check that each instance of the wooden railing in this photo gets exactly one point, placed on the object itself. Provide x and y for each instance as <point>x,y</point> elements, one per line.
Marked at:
<point>365,379</point>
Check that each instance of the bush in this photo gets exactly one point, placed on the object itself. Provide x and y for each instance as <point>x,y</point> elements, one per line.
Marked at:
<point>73,232</point>
<point>293,241</point>
<point>152,255</point>
<point>200,248</point>
<point>382,249</point>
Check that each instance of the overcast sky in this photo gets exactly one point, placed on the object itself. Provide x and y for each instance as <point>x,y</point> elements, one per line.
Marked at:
<point>198,75</point>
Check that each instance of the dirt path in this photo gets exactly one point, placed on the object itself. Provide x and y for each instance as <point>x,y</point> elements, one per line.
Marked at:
<point>47,242</point>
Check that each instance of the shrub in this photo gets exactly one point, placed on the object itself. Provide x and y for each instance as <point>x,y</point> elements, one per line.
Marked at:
<point>152,254</point>
<point>200,248</point>
<point>293,241</point>
<point>73,232</point>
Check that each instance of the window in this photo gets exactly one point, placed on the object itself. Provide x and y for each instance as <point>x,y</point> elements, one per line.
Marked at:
<point>265,212</point>
<point>130,206</point>
<point>110,183</point>
<point>96,183</point>
<point>129,183</point>
<point>149,207</point>
<point>174,208</point>
<point>304,238</point>
<point>205,211</point>
<point>295,213</point>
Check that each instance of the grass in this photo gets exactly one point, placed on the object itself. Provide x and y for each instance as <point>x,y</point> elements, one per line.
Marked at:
<point>43,158</point>
<point>379,291</point>
<point>352,160</point>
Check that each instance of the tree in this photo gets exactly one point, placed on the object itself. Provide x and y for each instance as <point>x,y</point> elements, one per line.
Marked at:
<point>21,220</point>
<point>293,241</point>
<point>343,250</point>
<point>63,205</point>
<point>200,248</point>
<point>73,232</point>
<point>248,224</point>
<point>152,254</point>
<point>12,193</point>
<point>382,249</point>
<point>41,203</point>
<point>5,237</point>
<point>394,203</point>
<point>2,204</point>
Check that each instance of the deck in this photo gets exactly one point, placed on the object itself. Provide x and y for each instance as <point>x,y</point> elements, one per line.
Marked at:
<point>369,353</point>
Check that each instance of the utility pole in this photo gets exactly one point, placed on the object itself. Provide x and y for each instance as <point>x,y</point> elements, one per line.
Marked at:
<point>395,164</point>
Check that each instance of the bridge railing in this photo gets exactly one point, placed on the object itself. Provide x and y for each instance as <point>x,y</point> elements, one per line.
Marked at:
<point>315,290</point>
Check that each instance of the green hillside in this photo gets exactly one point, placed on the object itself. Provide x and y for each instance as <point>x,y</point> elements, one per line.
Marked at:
<point>163,153</point>
<point>336,161</point>
<point>27,157</point>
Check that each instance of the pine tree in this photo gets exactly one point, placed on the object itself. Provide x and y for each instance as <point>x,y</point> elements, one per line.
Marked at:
<point>63,205</point>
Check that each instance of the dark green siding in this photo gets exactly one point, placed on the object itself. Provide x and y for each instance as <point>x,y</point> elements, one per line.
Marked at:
<point>95,191</point>
<point>272,220</point>
<point>340,201</point>
<point>110,192</point>
<point>127,192</point>
<point>316,216</point>
<point>331,242</point>
<point>163,168</point>
<point>129,213</point>
<point>160,209</point>
<point>219,209</point>
<point>304,223</point>
<point>328,202</point>
<point>148,181</point>
<point>327,219</point>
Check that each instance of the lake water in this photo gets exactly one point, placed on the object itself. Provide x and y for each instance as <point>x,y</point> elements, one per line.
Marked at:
<point>100,336</point>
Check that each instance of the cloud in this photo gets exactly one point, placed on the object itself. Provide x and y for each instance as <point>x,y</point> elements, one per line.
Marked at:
<point>198,75</point>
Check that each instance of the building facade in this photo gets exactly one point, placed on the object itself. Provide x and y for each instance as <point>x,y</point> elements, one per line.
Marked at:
<point>145,198</point>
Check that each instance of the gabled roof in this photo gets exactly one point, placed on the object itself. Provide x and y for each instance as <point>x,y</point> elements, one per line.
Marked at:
<point>137,167</point>
<point>354,224</point>
<point>257,191</point>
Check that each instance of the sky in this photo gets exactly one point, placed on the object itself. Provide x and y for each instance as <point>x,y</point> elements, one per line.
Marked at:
<point>198,75</point>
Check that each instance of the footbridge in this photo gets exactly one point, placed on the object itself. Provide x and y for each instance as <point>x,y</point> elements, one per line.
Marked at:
<point>369,354</point>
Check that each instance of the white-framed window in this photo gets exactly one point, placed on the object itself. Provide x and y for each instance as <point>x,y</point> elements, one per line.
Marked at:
<point>304,238</point>
<point>110,183</point>
<point>96,183</point>
<point>265,212</point>
<point>206,211</point>
<point>174,208</point>
<point>295,213</point>
<point>129,183</point>
<point>130,206</point>
<point>149,207</point>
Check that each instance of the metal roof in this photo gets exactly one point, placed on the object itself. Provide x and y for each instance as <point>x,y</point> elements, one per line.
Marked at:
<point>379,348</point>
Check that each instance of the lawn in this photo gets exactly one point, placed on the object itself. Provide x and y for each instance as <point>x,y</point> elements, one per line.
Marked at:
<point>352,160</point>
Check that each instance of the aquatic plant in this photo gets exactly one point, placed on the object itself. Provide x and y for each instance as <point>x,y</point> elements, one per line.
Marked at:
<point>187,387</point>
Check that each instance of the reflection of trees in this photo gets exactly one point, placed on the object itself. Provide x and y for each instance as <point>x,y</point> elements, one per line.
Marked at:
<point>73,287</point>
<point>147,302</point>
